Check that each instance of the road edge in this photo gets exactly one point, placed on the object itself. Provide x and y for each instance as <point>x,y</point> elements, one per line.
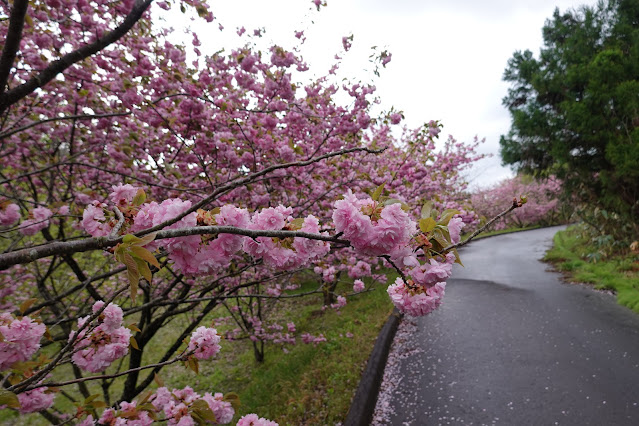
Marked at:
<point>363,403</point>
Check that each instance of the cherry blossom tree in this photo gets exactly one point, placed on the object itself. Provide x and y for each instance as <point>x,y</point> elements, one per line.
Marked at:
<point>139,184</point>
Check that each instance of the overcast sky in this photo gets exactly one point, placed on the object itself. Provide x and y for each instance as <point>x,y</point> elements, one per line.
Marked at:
<point>448,55</point>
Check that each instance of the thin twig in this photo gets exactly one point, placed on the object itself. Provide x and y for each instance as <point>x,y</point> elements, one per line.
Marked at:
<point>515,205</point>
<point>118,225</point>
<point>250,178</point>
<point>180,357</point>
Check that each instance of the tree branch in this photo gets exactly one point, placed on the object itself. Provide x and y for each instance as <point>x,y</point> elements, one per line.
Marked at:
<point>68,247</point>
<point>12,42</point>
<point>67,117</point>
<point>106,376</point>
<point>49,73</point>
<point>515,205</point>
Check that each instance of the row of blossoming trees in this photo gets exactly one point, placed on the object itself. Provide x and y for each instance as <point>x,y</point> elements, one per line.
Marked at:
<point>544,205</point>
<point>137,186</point>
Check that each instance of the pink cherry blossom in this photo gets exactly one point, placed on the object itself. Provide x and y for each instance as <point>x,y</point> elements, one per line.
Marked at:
<point>34,400</point>
<point>205,342</point>
<point>223,410</point>
<point>431,273</point>
<point>455,226</point>
<point>9,214</point>
<point>20,339</point>
<point>94,221</point>
<point>39,221</point>
<point>97,347</point>
<point>253,419</point>
<point>416,301</point>
<point>123,194</point>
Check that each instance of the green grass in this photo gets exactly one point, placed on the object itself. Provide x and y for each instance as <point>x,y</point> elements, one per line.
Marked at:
<point>311,384</point>
<point>308,385</point>
<point>617,273</point>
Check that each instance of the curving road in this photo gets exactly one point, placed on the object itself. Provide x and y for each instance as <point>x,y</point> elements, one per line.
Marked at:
<point>512,345</point>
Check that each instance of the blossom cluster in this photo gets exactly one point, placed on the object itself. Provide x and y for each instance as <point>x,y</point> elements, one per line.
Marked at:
<point>423,293</point>
<point>9,214</point>
<point>283,253</point>
<point>100,343</point>
<point>20,339</point>
<point>179,406</point>
<point>35,400</point>
<point>372,228</point>
<point>193,256</point>
<point>205,343</point>
<point>358,286</point>
<point>176,405</point>
<point>416,300</point>
<point>38,220</point>
<point>254,420</point>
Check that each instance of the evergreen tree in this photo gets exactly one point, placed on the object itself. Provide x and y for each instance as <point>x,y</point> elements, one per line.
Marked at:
<point>575,109</point>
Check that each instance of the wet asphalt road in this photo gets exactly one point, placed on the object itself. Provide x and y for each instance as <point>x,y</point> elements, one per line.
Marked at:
<point>513,345</point>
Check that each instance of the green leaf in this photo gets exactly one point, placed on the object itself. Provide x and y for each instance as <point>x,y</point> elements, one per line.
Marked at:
<point>134,327</point>
<point>26,305</point>
<point>378,192</point>
<point>9,399</point>
<point>298,223</point>
<point>201,11</point>
<point>446,234</point>
<point>426,209</point>
<point>130,239</point>
<point>144,396</point>
<point>134,280</point>
<point>142,241</point>
<point>132,273</point>
<point>194,364</point>
<point>143,269</point>
<point>90,398</point>
<point>147,406</point>
<point>457,259</point>
<point>202,410</point>
<point>234,399</point>
<point>426,224</point>
<point>140,197</point>
<point>134,343</point>
<point>447,215</point>
<point>157,379</point>
<point>439,237</point>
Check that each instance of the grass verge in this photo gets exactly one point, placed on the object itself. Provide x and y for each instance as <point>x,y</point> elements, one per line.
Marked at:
<point>617,273</point>
<point>310,384</point>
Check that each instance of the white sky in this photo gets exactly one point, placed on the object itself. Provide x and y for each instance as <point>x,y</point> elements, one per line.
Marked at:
<point>448,55</point>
